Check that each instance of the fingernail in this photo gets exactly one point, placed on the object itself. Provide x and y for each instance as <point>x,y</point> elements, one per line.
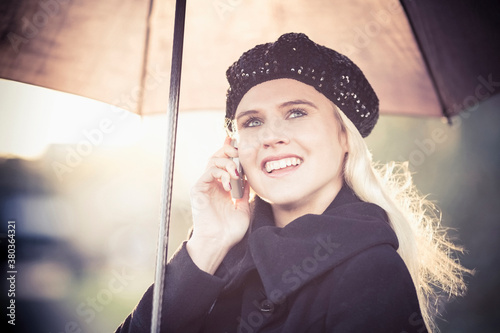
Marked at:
<point>236,172</point>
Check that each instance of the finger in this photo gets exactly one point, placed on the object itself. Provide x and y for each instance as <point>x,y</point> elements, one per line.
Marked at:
<point>225,164</point>
<point>220,175</point>
<point>227,150</point>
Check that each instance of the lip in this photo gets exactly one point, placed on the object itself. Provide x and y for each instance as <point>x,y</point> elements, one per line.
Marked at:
<point>280,172</point>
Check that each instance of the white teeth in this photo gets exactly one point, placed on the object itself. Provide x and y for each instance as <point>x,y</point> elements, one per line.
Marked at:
<point>283,163</point>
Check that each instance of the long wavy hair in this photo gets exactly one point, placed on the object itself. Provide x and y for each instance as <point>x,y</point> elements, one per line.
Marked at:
<point>424,246</point>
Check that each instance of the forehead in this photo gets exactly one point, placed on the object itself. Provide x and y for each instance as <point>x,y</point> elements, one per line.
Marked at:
<point>277,92</point>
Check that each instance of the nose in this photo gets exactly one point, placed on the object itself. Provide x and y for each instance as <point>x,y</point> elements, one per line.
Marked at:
<point>273,134</point>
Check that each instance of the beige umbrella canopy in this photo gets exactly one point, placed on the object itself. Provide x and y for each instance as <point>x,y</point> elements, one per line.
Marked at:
<point>114,52</point>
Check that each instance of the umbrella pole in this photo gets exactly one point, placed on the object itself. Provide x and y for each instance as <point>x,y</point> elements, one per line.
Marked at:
<point>166,200</point>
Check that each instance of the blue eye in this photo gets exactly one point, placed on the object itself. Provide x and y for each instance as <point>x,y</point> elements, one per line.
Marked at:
<point>296,113</point>
<point>252,122</point>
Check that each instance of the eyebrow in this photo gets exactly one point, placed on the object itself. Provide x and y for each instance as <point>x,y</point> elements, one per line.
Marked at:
<point>245,113</point>
<point>298,102</point>
<point>282,105</point>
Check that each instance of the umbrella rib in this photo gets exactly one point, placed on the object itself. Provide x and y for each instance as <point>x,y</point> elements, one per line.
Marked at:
<point>426,62</point>
<point>166,200</point>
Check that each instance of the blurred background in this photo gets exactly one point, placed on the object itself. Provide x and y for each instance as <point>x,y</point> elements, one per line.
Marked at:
<point>81,179</point>
<point>86,205</point>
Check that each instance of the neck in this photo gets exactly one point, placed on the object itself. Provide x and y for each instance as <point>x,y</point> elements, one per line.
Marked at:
<point>284,214</point>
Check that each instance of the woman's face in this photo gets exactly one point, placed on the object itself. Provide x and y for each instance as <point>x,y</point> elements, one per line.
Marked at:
<point>290,143</point>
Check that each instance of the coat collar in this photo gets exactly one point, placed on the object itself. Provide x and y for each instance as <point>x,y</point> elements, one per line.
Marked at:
<point>290,257</point>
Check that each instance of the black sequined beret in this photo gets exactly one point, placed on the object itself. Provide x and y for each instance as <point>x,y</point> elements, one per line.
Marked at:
<point>295,56</point>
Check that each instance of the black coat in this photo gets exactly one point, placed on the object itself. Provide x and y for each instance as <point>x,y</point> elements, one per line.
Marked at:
<point>335,272</point>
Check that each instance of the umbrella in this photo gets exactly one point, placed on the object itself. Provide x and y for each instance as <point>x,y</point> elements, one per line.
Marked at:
<point>423,58</point>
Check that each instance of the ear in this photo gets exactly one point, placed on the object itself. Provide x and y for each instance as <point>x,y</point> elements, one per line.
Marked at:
<point>343,140</point>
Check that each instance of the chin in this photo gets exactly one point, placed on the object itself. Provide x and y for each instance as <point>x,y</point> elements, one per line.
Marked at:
<point>297,196</point>
<point>287,198</point>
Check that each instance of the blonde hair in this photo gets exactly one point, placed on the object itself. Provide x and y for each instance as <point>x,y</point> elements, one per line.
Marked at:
<point>423,243</point>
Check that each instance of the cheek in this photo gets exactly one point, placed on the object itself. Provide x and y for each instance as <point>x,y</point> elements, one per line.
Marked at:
<point>326,142</point>
<point>248,139</point>
<point>247,152</point>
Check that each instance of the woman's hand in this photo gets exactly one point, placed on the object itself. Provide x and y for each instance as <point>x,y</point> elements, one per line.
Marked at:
<point>219,222</point>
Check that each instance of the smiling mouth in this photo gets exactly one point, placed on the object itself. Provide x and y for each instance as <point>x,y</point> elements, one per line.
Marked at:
<point>282,164</point>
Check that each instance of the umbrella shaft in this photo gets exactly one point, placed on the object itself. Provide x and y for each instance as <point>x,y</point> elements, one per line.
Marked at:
<point>173,109</point>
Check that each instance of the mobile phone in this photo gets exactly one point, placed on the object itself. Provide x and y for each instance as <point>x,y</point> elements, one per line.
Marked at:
<point>237,185</point>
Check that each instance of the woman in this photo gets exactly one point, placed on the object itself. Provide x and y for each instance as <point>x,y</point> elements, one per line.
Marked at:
<point>327,243</point>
